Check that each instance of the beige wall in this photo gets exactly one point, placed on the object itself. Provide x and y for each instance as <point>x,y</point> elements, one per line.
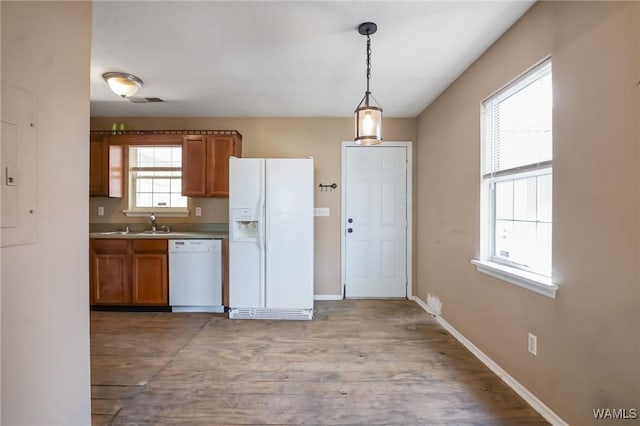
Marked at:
<point>45,289</point>
<point>319,138</point>
<point>588,337</point>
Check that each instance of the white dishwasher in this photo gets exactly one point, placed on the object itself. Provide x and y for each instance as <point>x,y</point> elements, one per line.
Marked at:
<point>195,275</point>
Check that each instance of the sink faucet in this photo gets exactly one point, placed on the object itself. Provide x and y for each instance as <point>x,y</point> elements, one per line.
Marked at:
<point>154,225</point>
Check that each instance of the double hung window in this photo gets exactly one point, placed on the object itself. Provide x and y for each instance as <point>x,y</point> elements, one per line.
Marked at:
<point>517,173</point>
<point>155,179</point>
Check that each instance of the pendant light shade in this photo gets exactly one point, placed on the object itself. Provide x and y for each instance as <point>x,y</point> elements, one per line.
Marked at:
<point>368,113</point>
<point>122,84</point>
<point>368,124</point>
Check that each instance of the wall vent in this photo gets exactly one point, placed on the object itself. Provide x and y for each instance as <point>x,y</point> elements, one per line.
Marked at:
<point>270,314</point>
<point>139,100</point>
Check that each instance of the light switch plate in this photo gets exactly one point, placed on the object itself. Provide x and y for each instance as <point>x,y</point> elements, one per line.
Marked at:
<point>532,344</point>
<point>321,211</point>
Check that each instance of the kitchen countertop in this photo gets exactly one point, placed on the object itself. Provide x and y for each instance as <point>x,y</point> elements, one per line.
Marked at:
<point>159,235</point>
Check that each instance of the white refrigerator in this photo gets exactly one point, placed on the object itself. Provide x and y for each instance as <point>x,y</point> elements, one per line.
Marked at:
<point>271,238</point>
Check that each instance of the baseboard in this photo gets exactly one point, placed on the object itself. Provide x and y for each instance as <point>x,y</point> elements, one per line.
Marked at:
<point>518,388</point>
<point>327,297</point>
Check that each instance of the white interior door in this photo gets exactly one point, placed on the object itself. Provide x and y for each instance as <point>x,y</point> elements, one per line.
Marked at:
<point>375,221</point>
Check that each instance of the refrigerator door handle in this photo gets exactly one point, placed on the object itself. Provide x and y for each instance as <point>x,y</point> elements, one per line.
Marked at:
<point>266,228</point>
<point>261,234</point>
<point>259,231</point>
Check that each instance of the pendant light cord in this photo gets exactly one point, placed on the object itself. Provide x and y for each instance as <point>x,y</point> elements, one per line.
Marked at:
<point>368,66</point>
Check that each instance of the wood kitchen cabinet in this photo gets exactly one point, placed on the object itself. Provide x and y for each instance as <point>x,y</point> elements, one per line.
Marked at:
<point>129,272</point>
<point>149,272</point>
<point>205,159</point>
<point>109,270</point>
<point>106,167</point>
<point>205,164</point>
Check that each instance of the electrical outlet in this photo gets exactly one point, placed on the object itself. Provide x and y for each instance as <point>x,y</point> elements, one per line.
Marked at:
<point>198,211</point>
<point>321,211</point>
<point>532,344</point>
<point>100,211</point>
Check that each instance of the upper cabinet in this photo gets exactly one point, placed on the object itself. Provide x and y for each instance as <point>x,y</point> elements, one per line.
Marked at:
<point>205,159</point>
<point>205,164</point>
<point>106,168</point>
<point>194,166</point>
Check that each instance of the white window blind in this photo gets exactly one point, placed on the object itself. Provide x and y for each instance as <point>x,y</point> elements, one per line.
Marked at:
<point>519,119</point>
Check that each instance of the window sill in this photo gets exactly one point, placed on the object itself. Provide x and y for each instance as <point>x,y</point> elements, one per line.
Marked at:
<point>158,213</point>
<point>536,283</point>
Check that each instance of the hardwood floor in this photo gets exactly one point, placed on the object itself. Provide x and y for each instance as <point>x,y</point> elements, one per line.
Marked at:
<point>358,362</point>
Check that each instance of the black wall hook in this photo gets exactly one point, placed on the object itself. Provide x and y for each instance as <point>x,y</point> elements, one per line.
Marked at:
<point>324,187</point>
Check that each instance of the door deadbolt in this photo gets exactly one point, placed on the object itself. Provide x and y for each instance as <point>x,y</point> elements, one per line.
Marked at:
<point>350,220</point>
<point>349,230</point>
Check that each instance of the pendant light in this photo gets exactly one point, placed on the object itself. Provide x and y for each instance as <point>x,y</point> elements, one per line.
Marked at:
<point>368,115</point>
<point>122,84</point>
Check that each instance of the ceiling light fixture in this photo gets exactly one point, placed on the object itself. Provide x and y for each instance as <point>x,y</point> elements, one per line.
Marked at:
<point>122,84</point>
<point>368,116</point>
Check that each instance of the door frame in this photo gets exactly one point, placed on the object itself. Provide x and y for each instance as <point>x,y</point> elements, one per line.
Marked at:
<point>409,200</point>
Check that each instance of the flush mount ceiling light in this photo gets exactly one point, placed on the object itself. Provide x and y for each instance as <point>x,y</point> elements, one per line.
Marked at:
<point>368,116</point>
<point>122,84</point>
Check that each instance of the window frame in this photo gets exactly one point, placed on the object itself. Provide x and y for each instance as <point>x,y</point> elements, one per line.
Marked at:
<point>499,267</point>
<point>133,209</point>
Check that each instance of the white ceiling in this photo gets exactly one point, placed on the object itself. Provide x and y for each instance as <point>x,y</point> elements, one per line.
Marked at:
<point>287,58</point>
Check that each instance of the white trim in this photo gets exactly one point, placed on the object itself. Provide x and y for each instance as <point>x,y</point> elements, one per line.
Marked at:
<point>327,297</point>
<point>534,171</point>
<point>158,213</point>
<point>424,306</point>
<point>516,386</point>
<point>409,200</point>
<point>534,282</point>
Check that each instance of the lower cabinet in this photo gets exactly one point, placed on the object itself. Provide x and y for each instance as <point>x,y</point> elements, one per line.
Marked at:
<point>129,272</point>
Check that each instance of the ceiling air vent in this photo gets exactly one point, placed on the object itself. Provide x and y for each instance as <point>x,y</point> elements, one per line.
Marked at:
<point>139,100</point>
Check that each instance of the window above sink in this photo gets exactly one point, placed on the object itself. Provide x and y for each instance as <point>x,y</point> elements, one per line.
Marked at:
<point>155,181</point>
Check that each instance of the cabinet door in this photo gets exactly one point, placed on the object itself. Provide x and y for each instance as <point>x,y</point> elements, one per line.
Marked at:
<point>149,279</point>
<point>98,167</point>
<point>116,172</point>
<point>109,280</point>
<point>106,168</point>
<point>221,148</point>
<point>194,166</point>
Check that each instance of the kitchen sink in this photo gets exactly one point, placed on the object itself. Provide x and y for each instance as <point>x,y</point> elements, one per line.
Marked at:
<point>136,233</point>
<point>151,234</point>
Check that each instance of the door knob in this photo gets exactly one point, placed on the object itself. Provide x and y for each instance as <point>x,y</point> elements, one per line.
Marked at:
<point>350,220</point>
<point>349,230</point>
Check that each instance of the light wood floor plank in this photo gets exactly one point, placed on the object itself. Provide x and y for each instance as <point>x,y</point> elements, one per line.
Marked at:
<point>360,362</point>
